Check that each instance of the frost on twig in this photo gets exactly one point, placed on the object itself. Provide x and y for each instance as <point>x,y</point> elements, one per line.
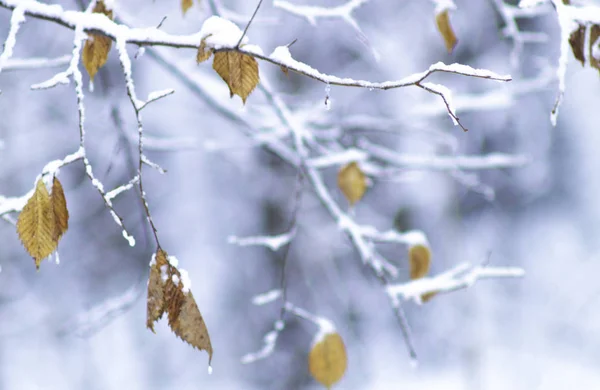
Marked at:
<point>462,276</point>
<point>270,339</point>
<point>274,243</point>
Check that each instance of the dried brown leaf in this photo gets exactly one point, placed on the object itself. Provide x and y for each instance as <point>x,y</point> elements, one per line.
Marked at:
<point>285,70</point>
<point>97,46</point>
<point>35,225</point>
<point>352,182</point>
<point>442,20</point>
<point>165,294</point>
<point>419,258</point>
<point>327,360</point>
<point>203,53</point>
<point>594,35</point>
<point>156,297</point>
<point>186,5</point>
<point>59,209</point>
<point>576,40</point>
<point>239,71</point>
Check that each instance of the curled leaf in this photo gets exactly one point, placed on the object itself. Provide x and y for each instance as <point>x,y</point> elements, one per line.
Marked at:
<point>59,209</point>
<point>352,182</point>
<point>239,71</point>
<point>327,360</point>
<point>419,258</point>
<point>97,46</point>
<point>35,225</point>
<point>203,53</point>
<point>442,20</point>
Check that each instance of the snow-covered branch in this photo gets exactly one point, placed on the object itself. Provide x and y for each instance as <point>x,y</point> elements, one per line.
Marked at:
<point>313,13</point>
<point>274,243</point>
<point>35,63</point>
<point>462,276</point>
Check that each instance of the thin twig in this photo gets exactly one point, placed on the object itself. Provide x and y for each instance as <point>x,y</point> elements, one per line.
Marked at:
<point>249,23</point>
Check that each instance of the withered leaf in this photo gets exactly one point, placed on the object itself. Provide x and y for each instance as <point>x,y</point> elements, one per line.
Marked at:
<point>35,225</point>
<point>97,46</point>
<point>156,299</point>
<point>327,360</point>
<point>442,19</point>
<point>186,5</point>
<point>594,39</point>
<point>419,258</point>
<point>166,295</point>
<point>576,40</point>
<point>59,209</point>
<point>239,71</point>
<point>203,53</point>
<point>352,182</point>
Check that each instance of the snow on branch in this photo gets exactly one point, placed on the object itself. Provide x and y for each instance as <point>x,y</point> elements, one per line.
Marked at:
<point>35,63</point>
<point>462,276</point>
<point>274,243</point>
<point>443,163</point>
<point>313,13</point>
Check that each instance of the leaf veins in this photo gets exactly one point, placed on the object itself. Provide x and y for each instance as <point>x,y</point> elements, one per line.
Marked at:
<point>239,71</point>
<point>97,46</point>
<point>35,225</point>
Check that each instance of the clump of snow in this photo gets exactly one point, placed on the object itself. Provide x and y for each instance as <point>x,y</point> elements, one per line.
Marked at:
<point>153,260</point>
<point>175,279</point>
<point>220,33</point>
<point>186,283</point>
<point>163,273</point>
<point>267,297</point>
<point>255,49</point>
<point>173,261</point>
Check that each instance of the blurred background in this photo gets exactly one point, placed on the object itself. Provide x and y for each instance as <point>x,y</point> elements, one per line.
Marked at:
<point>81,324</point>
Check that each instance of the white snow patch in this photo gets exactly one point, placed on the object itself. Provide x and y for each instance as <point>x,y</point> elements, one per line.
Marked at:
<point>220,33</point>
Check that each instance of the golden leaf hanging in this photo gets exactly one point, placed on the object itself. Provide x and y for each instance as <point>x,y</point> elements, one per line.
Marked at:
<point>352,182</point>
<point>203,53</point>
<point>327,360</point>
<point>59,209</point>
<point>186,5</point>
<point>442,19</point>
<point>239,71</point>
<point>166,295</point>
<point>35,225</point>
<point>97,46</point>
<point>419,258</point>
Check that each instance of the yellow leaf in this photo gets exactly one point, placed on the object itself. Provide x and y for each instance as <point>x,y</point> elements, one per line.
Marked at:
<point>327,360</point>
<point>352,182</point>
<point>35,225</point>
<point>97,46</point>
<point>419,258</point>
<point>59,209</point>
<point>166,294</point>
<point>185,5</point>
<point>239,71</point>
<point>203,53</point>
<point>442,20</point>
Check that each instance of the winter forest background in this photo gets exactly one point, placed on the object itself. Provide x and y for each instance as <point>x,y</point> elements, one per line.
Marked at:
<point>81,324</point>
